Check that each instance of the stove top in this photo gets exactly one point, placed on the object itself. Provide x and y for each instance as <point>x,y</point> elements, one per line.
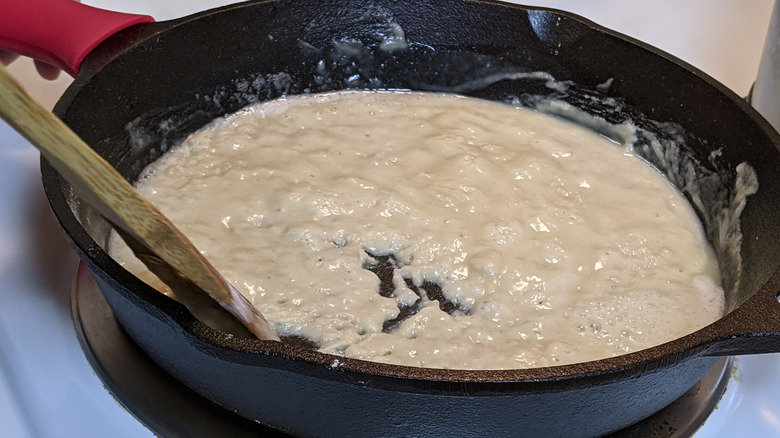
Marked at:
<point>47,386</point>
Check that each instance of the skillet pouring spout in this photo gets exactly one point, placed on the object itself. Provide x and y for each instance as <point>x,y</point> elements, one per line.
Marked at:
<point>753,328</point>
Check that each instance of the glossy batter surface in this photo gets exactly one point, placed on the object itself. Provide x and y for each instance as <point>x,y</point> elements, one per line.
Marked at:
<point>550,243</point>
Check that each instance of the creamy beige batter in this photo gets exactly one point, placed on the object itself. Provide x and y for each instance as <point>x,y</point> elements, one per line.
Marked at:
<point>558,245</point>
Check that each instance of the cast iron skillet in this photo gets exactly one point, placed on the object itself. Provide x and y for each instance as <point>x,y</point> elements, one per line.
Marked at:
<point>151,85</point>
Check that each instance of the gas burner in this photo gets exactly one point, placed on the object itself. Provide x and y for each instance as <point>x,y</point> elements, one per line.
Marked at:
<point>168,408</point>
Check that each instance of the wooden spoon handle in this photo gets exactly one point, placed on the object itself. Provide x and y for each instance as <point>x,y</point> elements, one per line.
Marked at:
<point>100,185</point>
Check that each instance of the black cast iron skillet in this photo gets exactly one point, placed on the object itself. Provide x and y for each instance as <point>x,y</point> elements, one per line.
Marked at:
<point>148,87</point>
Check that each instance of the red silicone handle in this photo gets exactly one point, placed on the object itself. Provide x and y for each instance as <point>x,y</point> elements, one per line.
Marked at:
<point>59,32</point>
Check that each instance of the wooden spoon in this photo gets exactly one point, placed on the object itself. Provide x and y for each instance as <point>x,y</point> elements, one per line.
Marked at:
<point>151,236</point>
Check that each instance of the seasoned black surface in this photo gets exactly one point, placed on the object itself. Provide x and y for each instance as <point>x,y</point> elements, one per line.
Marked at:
<point>384,267</point>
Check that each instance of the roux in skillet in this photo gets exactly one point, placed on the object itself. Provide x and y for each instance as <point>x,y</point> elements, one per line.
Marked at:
<point>508,238</point>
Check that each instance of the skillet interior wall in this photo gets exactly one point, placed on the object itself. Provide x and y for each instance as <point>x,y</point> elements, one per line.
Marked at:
<point>135,108</point>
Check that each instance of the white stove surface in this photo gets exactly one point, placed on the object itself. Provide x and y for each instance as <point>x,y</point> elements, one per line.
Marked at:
<point>47,388</point>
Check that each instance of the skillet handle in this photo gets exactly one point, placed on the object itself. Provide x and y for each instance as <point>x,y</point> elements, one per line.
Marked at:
<point>752,328</point>
<point>60,32</point>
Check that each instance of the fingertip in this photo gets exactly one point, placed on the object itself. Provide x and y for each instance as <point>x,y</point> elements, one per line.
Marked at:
<point>47,71</point>
<point>7,57</point>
